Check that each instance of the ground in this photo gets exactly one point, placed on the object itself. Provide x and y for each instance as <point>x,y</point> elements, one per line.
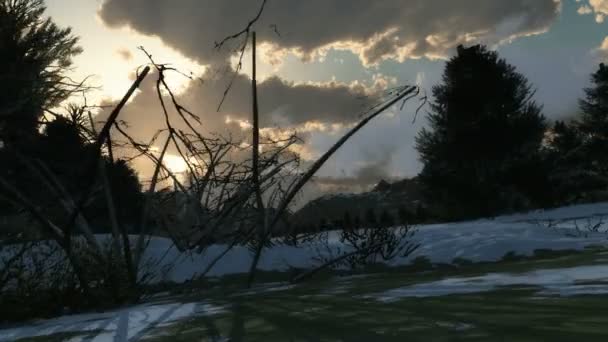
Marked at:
<point>529,277</point>
<point>369,307</point>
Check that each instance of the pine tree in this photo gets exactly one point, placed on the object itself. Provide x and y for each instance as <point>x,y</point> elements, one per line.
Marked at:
<point>386,219</point>
<point>357,222</point>
<point>565,137</point>
<point>485,133</point>
<point>404,215</point>
<point>594,119</point>
<point>370,217</point>
<point>36,56</point>
<point>578,149</point>
<point>347,221</point>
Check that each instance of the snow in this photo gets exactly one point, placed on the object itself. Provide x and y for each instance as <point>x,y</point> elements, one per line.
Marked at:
<point>128,324</point>
<point>266,288</point>
<point>480,240</point>
<point>561,281</point>
<point>563,213</point>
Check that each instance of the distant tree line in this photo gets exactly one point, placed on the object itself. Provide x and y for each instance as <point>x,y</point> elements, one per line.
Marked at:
<point>369,218</point>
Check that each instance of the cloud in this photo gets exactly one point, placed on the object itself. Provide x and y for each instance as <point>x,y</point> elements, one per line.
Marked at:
<point>585,10</point>
<point>365,179</point>
<point>602,51</point>
<point>374,30</point>
<point>125,54</point>
<point>597,7</point>
<point>284,106</point>
<point>377,166</point>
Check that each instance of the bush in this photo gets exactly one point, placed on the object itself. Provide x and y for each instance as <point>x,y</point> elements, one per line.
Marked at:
<point>37,281</point>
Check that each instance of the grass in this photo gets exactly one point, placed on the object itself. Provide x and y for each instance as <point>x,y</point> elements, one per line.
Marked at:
<point>61,337</point>
<point>331,308</point>
<point>510,315</point>
<point>306,313</point>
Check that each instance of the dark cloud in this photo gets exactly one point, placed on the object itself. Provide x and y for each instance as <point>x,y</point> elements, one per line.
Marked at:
<point>376,30</point>
<point>282,105</point>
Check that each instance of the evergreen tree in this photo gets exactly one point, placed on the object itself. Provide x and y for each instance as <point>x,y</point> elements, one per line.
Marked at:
<point>594,119</point>
<point>403,215</point>
<point>386,219</point>
<point>370,217</point>
<point>323,224</point>
<point>35,55</point>
<point>480,154</point>
<point>578,149</point>
<point>420,214</point>
<point>357,222</point>
<point>572,174</point>
<point>565,137</point>
<point>347,221</point>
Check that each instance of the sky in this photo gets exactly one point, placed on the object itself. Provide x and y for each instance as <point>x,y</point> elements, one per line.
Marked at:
<point>319,57</point>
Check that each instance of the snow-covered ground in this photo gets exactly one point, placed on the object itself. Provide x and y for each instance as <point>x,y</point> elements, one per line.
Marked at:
<point>480,240</point>
<point>128,324</point>
<point>559,281</point>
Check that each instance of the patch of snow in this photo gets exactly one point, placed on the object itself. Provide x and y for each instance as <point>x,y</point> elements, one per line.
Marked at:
<point>561,281</point>
<point>458,326</point>
<point>351,277</point>
<point>563,213</point>
<point>479,240</point>
<point>337,290</point>
<point>128,324</point>
<point>266,289</point>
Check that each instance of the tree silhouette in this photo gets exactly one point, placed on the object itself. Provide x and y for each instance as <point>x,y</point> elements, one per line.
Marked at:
<point>347,221</point>
<point>357,222</point>
<point>370,217</point>
<point>485,132</point>
<point>403,215</point>
<point>36,57</point>
<point>386,219</point>
<point>565,137</point>
<point>594,119</point>
<point>578,148</point>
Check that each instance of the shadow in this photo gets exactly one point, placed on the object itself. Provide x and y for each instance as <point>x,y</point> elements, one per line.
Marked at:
<point>237,332</point>
<point>122,330</point>
<point>152,324</point>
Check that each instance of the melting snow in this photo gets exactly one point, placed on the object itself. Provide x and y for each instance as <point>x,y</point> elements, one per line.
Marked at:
<point>481,240</point>
<point>128,324</point>
<point>561,281</point>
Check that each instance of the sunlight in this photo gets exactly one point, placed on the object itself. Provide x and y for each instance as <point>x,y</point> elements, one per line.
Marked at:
<point>175,164</point>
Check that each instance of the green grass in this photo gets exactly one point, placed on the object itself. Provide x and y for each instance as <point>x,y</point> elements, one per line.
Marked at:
<point>308,313</point>
<point>510,315</point>
<point>304,313</point>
